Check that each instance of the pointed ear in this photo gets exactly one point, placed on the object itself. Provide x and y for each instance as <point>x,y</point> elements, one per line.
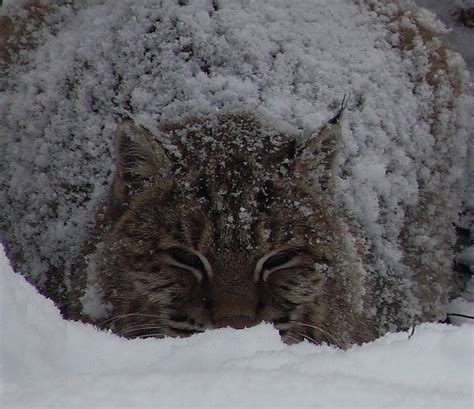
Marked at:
<point>138,158</point>
<point>320,151</point>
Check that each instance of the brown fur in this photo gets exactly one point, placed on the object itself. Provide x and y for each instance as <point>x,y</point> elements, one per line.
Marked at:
<point>236,194</point>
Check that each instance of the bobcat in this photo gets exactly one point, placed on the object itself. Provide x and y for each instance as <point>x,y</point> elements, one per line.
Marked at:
<point>228,223</point>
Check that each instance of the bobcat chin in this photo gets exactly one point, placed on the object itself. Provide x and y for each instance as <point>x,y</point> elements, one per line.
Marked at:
<point>226,223</point>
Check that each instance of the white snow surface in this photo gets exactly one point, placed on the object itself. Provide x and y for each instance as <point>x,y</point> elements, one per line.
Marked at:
<point>48,362</point>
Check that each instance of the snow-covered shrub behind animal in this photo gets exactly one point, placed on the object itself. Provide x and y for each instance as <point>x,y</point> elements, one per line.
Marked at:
<point>402,161</point>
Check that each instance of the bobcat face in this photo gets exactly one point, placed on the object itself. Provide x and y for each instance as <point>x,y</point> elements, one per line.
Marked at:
<point>222,225</point>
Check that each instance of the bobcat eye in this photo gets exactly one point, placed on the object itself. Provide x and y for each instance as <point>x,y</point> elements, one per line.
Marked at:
<point>278,260</point>
<point>186,257</point>
<point>275,261</point>
<point>190,260</point>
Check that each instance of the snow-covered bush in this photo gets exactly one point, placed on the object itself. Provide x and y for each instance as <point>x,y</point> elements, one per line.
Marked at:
<point>402,165</point>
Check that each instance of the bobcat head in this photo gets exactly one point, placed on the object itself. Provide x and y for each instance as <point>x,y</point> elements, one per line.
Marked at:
<point>227,222</point>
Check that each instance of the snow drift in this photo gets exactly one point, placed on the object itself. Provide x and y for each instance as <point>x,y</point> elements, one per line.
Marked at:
<point>49,362</point>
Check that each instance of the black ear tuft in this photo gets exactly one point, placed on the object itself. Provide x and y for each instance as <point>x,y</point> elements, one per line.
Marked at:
<point>335,119</point>
<point>320,151</point>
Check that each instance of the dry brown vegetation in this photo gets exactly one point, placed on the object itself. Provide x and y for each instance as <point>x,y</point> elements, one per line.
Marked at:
<point>17,32</point>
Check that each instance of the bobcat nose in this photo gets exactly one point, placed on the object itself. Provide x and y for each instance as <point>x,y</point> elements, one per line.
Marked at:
<point>236,322</point>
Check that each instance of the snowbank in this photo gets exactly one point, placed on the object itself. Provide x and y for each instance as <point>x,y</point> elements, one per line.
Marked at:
<point>49,362</point>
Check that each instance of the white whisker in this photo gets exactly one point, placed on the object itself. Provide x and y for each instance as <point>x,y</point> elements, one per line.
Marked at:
<point>123,316</point>
<point>328,335</point>
<point>143,327</point>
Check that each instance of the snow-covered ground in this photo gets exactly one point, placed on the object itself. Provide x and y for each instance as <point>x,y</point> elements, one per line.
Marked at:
<point>48,362</point>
